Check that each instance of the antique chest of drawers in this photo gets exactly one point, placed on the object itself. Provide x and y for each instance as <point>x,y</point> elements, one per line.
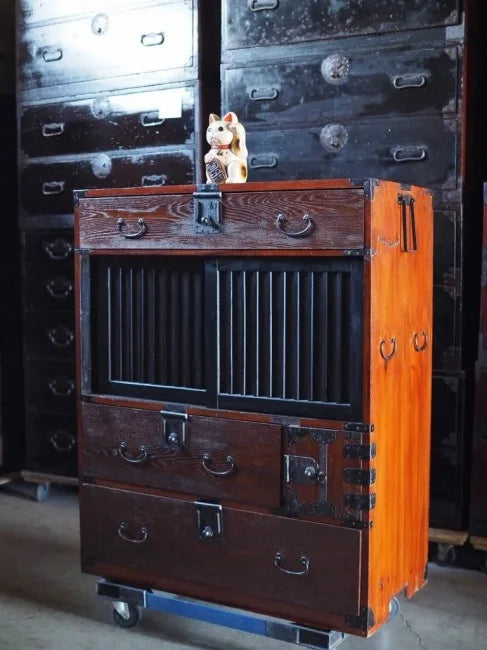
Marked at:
<point>254,384</point>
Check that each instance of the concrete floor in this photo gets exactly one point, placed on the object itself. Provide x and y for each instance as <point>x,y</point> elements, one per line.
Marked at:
<point>47,604</point>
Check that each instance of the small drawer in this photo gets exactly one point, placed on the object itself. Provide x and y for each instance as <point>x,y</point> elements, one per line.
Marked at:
<point>45,289</point>
<point>108,122</point>
<point>284,566</point>
<point>49,335</point>
<point>35,11</point>
<point>212,457</point>
<point>447,328</point>
<point>305,219</point>
<point>51,443</point>
<point>49,249</point>
<point>50,386</point>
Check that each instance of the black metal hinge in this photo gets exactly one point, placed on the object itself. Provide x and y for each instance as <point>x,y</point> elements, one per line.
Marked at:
<point>358,427</point>
<point>353,522</point>
<point>359,476</point>
<point>362,452</point>
<point>364,621</point>
<point>360,501</point>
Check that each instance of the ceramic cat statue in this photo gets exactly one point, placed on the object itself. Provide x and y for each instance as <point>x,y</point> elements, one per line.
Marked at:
<point>226,162</point>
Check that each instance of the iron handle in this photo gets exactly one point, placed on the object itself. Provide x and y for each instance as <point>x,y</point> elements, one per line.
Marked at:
<point>150,40</point>
<point>60,446</point>
<point>50,54</point>
<point>143,535</point>
<point>59,249</point>
<point>401,81</point>
<point>51,130</point>
<point>153,180</point>
<point>424,345</point>
<point>65,391</point>
<point>409,154</point>
<point>262,5</point>
<point>260,162</point>
<point>387,357</point>
<point>151,119</point>
<point>141,458</point>
<point>300,233</point>
<point>53,187</point>
<point>60,336</point>
<point>59,288</point>
<point>206,460</point>
<point>279,558</point>
<point>133,235</point>
<point>262,94</point>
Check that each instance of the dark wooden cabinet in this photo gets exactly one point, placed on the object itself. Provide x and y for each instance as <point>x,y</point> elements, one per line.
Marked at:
<point>266,393</point>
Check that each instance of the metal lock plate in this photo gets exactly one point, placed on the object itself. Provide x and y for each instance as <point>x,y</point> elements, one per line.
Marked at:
<point>175,430</point>
<point>207,209</point>
<point>333,137</point>
<point>303,470</point>
<point>209,521</point>
<point>335,69</point>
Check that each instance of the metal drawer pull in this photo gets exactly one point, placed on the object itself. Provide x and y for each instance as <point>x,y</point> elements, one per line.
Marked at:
<point>383,354</point>
<point>258,162</point>
<point>424,345</point>
<point>149,40</point>
<point>261,94</point>
<point>143,535</point>
<point>50,54</point>
<point>409,154</point>
<point>300,233</point>
<point>53,187</point>
<point>262,5</point>
<point>50,130</point>
<point>59,288</point>
<point>154,180</point>
<point>206,460</point>
<point>401,81</point>
<point>279,558</point>
<point>61,387</point>
<point>60,336</point>
<point>59,249</point>
<point>151,119</point>
<point>141,458</point>
<point>133,235</point>
<point>67,445</point>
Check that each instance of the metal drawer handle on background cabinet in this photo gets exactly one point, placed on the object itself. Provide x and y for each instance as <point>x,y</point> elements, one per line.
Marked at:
<point>53,187</point>
<point>138,233</point>
<point>59,288</point>
<point>142,537</point>
<point>409,154</point>
<point>59,249</point>
<point>151,119</point>
<point>60,336</point>
<point>420,347</point>
<point>52,130</point>
<point>61,387</point>
<point>300,233</point>
<point>62,441</point>
<point>149,40</point>
<point>262,5</point>
<point>154,180</point>
<point>262,94</point>
<point>263,161</point>
<point>206,461</point>
<point>401,81</point>
<point>304,561</point>
<point>50,54</point>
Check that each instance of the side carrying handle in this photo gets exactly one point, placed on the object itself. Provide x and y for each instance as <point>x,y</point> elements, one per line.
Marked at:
<point>304,561</point>
<point>387,356</point>
<point>132,235</point>
<point>417,346</point>
<point>407,225</point>
<point>143,534</point>
<point>300,233</point>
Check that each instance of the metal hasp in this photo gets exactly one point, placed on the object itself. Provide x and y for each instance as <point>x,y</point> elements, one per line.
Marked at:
<point>235,619</point>
<point>209,521</point>
<point>408,226</point>
<point>174,429</point>
<point>302,469</point>
<point>207,209</point>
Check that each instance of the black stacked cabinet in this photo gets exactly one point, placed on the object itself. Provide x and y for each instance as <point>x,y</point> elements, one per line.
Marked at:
<point>383,89</point>
<point>110,94</point>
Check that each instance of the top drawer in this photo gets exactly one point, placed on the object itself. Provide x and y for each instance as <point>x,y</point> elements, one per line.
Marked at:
<point>36,11</point>
<point>301,219</point>
<point>157,38</point>
<point>278,22</point>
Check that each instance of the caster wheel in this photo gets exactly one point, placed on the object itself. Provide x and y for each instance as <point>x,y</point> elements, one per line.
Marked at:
<point>41,492</point>
<point>446,555</point>
<point>131,618</point>
<point>394,607</point>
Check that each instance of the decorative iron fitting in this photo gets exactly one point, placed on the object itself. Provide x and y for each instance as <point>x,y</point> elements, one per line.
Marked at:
<point>357,524</point>
<point>358,427</point>
<point>302,469</point>
<point>359,476</point>
<point>174,429</point>
<point>207,209</point>
<point>360,501</point>
<point>209,521</point>
<point>364,621</point>
<point>362,452</point>
<point>322,436</point>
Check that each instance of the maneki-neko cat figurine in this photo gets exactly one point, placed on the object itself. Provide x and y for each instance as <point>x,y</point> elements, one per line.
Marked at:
<point>226,162</point>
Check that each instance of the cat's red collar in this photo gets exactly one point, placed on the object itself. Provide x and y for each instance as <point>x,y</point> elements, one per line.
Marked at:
<point>220,146</point>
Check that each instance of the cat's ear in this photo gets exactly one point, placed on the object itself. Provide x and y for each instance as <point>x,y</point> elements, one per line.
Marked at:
<point>214,118</point>
<point>230,117</point>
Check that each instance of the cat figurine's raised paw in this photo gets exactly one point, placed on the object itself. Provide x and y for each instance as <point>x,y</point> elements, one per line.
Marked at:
<point>226,162</point>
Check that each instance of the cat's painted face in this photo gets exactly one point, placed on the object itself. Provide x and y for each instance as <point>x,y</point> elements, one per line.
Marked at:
<point>218,131</point>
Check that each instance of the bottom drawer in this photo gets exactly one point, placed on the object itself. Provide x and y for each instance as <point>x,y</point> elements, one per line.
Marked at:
<point>51,443</point>
<point>285,567</point>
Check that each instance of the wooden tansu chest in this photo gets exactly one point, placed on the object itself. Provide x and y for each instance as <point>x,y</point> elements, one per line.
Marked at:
<point>254,370</point>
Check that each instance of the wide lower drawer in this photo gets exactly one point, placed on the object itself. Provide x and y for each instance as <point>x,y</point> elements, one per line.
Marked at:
<point>287,567</point>
<point>212,457</point>
<point>250,220</point>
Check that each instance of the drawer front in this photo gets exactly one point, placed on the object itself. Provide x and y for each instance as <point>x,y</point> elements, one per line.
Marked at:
<point>447,328</point>
<point>157,38</point>
<point>448,237</point>
<point>249,221</point>
<point>47,187</point>
<point>364,85</point>
<point>51,250</point>
<point>51,386</point>
<point>242,565</point>
<point>51,444</point>
<point>48,289</point>
<point>421,151</point>
<point>275,22</point>
<point>211,457</point>
<point>49,335</point>
<point>103,122</point>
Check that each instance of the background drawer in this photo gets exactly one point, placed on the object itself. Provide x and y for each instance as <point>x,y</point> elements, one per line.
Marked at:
<point>114,436</point>
<point>352,84</point>
<point>49,335</point>
<point>422,151</point>
<point>174,557</point>
<point>276,22</point>
<point>50,385</point>
<point>249,221</point>
<point>51,443</point>
<point>103,122</point>
<point>45,289</point>
<point>102,45</point>
<point>49,249</point>
<point>48,186</point>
